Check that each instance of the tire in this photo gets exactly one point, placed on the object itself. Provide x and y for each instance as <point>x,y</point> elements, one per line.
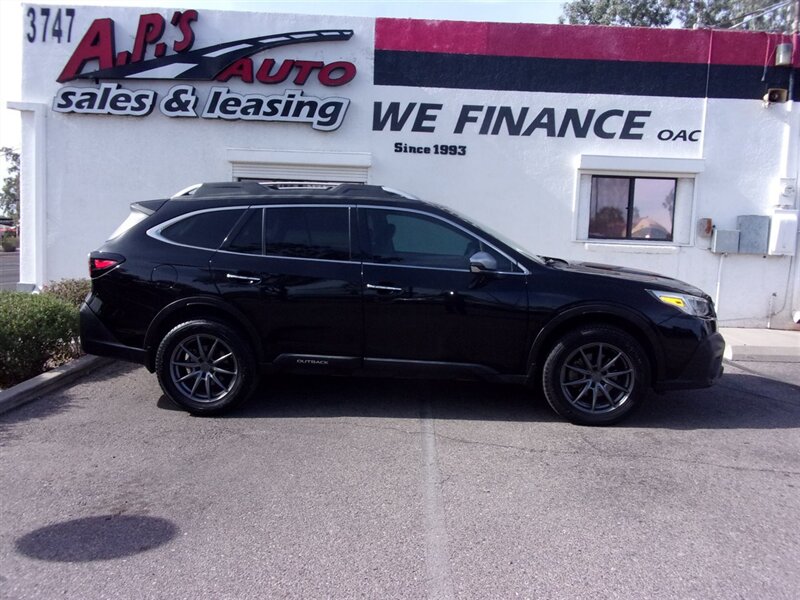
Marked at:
<point>596,375</point>
<point>205,367</point>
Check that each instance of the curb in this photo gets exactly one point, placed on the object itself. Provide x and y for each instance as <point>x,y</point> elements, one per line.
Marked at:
<point>50,381</point>
<point>745,353</point>
<point>762,345</point>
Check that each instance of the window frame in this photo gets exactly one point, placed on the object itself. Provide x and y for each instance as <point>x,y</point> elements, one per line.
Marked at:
<point>630,207</point>
<point>225,247</point>
<point>264,207</point>
<point>688,172</point>
<point>155,232</point>
<point>365,258</point>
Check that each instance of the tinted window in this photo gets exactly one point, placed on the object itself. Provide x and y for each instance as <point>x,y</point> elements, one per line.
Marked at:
<point>420,240</point>
<point>204,230</point>
<point>249,239</point>
<point>308,232</point>
<point>632,208</point>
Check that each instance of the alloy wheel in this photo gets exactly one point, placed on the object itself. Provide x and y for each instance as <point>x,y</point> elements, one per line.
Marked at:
<point>597,378</point>
<point>204,368</point>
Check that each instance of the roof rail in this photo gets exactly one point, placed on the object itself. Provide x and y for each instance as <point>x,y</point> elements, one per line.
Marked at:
<point>265,188</point>
<point>187,191</point>
<point>256,187</point>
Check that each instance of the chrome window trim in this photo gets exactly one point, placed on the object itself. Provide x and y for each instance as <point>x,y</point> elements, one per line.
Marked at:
<point>450,269</point>
<point>524,271</point>
<point>357,262</point>
<point>155,231</point>
<point>276,257</point>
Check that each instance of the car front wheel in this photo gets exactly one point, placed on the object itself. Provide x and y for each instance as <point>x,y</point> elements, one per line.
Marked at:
<point>595,375</point>
<point>205,367</point>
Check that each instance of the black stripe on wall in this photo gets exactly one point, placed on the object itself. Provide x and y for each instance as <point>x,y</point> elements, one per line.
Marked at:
<point>569,76</point>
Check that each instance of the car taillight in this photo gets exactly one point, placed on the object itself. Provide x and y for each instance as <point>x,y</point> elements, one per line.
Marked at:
<point>103,263</point>
<point>98,266</point>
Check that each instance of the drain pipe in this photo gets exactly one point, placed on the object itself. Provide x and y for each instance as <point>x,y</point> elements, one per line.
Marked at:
<point>771,309</point>
<point>719,280</point>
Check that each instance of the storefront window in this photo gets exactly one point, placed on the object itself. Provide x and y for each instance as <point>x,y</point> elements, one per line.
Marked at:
<point>638,208</point>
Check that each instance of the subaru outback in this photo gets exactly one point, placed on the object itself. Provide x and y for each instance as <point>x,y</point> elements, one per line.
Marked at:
<point>215,286</point>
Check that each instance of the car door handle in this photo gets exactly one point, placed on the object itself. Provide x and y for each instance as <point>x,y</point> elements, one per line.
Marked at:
<point>252,280</point>
<point>384,288</point>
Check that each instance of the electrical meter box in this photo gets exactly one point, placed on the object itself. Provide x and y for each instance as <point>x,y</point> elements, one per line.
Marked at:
<point>753,233</point>
<point>725,241</point>
<point>783,232</point>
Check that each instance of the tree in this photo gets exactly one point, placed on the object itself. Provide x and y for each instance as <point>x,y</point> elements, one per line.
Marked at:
<point>757,15</point>
<point>9,196</point>
<point>760,15</point>
<point>644,13</point>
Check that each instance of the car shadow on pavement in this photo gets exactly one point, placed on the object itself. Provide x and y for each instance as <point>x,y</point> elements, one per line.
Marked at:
<point>61,400</point>
<point>320,396</point>
<point>102,537</point>
<point>736,402</point>
<point>39,408</point>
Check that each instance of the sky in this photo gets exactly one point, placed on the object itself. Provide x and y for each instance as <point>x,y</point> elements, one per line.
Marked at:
<point>12,26</point>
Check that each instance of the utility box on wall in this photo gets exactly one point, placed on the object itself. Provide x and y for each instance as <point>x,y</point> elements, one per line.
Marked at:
<point>783,232</point>
<point>725,241</point>
<point>753,234</point>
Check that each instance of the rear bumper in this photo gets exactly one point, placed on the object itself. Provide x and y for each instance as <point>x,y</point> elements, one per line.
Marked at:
<point>97,339</point>
<point>703,369</point>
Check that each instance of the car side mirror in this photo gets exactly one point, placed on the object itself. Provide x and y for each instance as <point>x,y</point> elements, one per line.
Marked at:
<point>482,261</point>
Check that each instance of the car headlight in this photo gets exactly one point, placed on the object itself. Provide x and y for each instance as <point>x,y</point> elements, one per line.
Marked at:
<point>691,305</point>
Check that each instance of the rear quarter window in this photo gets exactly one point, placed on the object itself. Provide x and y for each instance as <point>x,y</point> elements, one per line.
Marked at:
<point>203,230</point>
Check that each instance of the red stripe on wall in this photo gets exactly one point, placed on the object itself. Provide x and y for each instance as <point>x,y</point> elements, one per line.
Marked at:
<point>579,42</point>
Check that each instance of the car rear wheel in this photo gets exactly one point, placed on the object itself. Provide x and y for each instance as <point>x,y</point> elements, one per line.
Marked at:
<point>595,375</point>
<point>205,367</point>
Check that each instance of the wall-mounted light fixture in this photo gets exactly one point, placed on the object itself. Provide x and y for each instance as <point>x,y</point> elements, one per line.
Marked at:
<point>775,96</point>
<point>783,55</point>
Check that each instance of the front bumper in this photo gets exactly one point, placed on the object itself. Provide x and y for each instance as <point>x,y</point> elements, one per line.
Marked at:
<point>703,369</point>
<point>97,339</point>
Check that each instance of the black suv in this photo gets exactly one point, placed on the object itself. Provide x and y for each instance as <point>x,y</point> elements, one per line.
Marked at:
<point>225,280</point>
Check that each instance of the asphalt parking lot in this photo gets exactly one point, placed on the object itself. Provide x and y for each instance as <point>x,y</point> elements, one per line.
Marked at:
<point>374,488</point>
<point>9,270</point>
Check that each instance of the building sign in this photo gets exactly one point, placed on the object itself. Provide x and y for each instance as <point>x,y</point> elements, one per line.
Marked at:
<point>181,62</point>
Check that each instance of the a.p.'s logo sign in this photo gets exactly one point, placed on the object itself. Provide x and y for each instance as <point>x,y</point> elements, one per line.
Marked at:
<point>179,61</point>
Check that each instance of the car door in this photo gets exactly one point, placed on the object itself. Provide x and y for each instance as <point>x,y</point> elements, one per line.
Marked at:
<point>423,303</point>
<point>290,270</point>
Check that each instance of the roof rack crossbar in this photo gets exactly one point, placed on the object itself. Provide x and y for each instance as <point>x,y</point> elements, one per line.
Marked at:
<point>282,185</point>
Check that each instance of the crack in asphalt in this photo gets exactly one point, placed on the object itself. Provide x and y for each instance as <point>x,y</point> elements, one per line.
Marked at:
<point>620,455</point>
<point>437,556</point>
<point>749,393</point>
<point>595,447</point>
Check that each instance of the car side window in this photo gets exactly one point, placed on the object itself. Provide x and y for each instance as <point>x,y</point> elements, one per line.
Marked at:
<point>250,237</point>
<point>415,239</point>
<point>308,232</point>
<point>203,230</point>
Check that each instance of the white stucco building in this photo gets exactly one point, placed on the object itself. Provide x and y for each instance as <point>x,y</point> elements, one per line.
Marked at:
<point>628,146</point>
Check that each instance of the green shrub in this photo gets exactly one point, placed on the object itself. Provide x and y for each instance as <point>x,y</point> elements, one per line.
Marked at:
<point>9,243</point>
<point>71,291</point>
<point>36,331</point>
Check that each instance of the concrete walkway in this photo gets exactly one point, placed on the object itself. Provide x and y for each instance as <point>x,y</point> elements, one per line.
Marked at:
<point>761,345</point>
